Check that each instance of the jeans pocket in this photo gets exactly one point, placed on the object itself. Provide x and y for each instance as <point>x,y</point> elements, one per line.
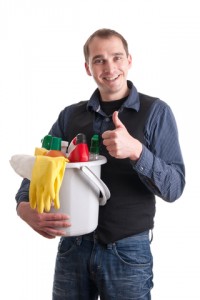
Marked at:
<point>66,245</point>
<point>136,254</point>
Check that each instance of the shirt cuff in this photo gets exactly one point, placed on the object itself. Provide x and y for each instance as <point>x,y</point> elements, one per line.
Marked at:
<point>144,164</point>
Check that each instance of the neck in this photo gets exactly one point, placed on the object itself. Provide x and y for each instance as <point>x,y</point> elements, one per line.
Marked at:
<point>114,96</point>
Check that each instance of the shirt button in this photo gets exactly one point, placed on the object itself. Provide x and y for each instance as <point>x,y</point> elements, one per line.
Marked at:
<point>141,168</point>
<point>107,119</point>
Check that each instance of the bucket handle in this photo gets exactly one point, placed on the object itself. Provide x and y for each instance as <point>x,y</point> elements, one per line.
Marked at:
<point>99,183</point>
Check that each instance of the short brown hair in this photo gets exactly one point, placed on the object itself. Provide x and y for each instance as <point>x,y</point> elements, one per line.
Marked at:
<point>104,33</point>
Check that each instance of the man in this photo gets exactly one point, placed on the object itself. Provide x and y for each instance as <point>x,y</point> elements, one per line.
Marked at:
<point>140,141</point>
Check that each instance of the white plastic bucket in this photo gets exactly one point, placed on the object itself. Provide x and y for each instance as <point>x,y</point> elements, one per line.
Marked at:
<point>80,195</point>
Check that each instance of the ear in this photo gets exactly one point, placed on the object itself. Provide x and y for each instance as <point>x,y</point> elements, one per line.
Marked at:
<point>130,61</point>
<point>87,69</point>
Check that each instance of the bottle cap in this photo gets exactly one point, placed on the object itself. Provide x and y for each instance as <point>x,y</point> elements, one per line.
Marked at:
<point>46,142</point>
<point>94,147</point>
<point>64,145</point>
<point>80,138</point>
<point>56,143</point>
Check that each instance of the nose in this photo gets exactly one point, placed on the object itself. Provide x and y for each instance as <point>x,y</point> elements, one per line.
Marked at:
<point>109,66</point>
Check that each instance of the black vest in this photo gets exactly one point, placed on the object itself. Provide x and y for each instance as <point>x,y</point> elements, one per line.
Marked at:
<point>131,208</point>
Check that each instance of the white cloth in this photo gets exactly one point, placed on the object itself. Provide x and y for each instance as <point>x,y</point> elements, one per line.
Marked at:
<point>23,164</point>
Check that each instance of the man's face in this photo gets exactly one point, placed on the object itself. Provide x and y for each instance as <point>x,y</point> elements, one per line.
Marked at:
<point>109,65</point>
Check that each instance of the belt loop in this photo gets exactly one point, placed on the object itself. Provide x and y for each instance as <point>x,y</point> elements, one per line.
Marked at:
<point>110,246</point>
<point>79,240</point>
<point>95,237</point>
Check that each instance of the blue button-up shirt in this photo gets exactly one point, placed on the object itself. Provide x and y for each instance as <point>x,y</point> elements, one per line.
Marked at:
<point>160,166</point>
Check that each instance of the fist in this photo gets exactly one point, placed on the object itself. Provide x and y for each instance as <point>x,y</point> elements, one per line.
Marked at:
<point>119,143</point>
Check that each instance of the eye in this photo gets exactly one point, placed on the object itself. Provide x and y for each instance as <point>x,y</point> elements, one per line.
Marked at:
<point>98,61</point>
<point>117,58</point>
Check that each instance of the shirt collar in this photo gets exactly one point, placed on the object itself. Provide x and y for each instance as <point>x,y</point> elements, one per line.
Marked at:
<point>131,102</point>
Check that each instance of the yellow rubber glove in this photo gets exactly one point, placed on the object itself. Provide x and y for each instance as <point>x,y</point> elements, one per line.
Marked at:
<point>40,151</point>
<point>46,179</point>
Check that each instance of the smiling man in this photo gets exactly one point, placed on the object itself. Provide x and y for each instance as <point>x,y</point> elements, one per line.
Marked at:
<point>139,138</point>
<point>108,62</point>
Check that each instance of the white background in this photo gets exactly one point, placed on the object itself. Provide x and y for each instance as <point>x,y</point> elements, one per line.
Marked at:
<point>42,71</point>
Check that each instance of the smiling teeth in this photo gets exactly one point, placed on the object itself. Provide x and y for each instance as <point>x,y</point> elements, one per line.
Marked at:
<point>110,78</point>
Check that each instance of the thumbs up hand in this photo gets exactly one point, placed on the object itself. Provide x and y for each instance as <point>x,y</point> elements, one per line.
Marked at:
<point>119,143</point>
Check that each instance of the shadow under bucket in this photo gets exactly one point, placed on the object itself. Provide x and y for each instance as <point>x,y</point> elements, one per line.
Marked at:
<point>81,193</point>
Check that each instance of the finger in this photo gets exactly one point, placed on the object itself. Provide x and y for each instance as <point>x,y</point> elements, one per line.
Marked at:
<point>116,120</point>
<point>45,234</point>
<point>50,188</point>
<point>47,203</point>
<point>57,185</point>
<point>56,200</point>
<point>40,200</point>
<point>32,196</point>
<point>106,134</point>
<point>52,217</point>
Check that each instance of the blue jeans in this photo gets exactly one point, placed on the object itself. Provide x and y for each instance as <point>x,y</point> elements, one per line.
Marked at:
<point>86,269</point>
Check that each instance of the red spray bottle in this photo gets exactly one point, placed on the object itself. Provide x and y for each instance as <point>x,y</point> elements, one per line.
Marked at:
<point>78,149</point>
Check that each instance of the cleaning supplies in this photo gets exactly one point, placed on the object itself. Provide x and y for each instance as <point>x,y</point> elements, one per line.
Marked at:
<point>55,148</point>
<point>46,179</point>
<point>94,147</point>
<point>46,142</point>
<point>78,149</point>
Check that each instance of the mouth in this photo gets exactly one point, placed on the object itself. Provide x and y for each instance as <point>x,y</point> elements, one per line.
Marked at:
<point>111,78</point>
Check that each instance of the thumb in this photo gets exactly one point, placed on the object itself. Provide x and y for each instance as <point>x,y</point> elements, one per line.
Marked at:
<point>116,120</point>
